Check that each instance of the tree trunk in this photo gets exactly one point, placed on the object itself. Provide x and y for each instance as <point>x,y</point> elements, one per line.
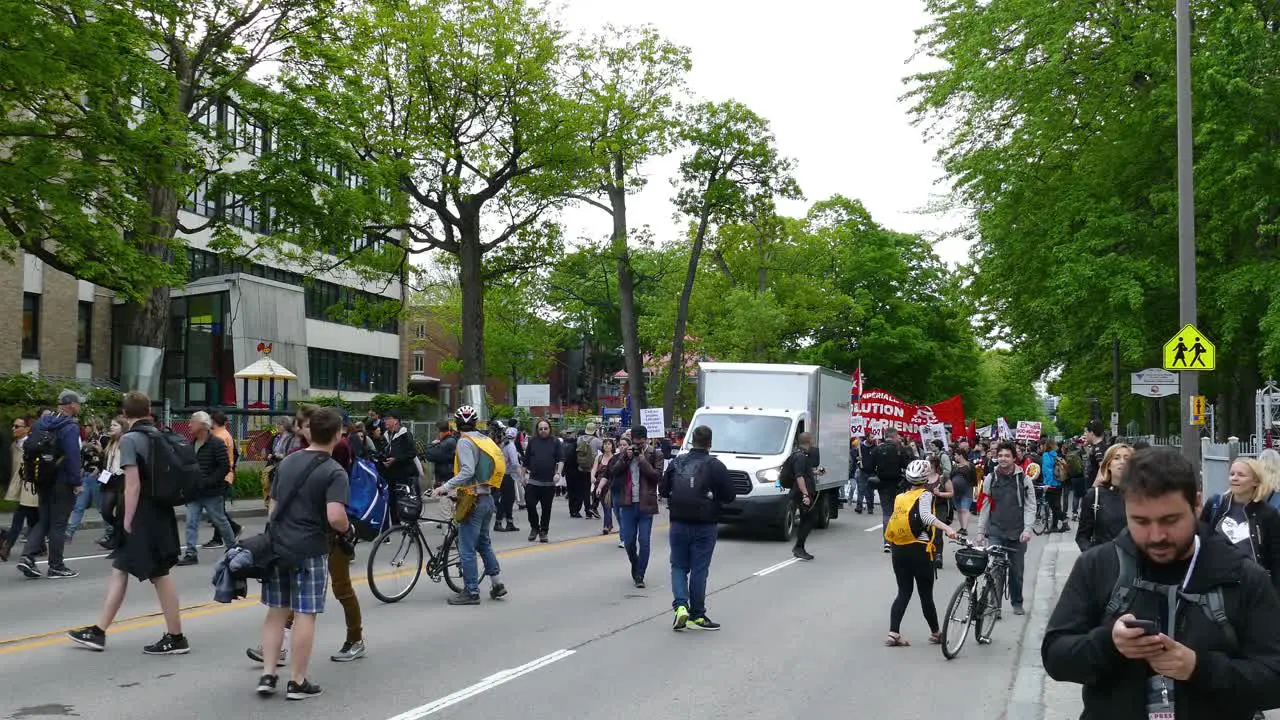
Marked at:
<point>675,370</point>
<point>470,267</point>
<point>628,320</point>
<point>149,321</point>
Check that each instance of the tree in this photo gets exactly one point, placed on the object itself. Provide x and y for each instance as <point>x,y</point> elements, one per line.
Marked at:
<point>731,172</point>
<point>460,101</point>
<point>627,80</point>
<point>1005,388</point>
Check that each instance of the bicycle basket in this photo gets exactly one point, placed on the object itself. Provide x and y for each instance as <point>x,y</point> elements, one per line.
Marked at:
<point>409,505</point>
<point>971,562</point>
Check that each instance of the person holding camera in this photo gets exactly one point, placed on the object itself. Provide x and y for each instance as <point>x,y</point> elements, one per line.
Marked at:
<point>633,478</point>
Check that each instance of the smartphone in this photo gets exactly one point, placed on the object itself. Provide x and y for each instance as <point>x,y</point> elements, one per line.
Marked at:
<point>1149,627</point>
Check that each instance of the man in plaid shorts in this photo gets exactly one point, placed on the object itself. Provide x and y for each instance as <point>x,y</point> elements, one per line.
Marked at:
<point>308,500</point>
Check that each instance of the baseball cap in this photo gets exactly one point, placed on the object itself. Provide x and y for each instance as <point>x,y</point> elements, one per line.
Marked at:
<point>67,397</point>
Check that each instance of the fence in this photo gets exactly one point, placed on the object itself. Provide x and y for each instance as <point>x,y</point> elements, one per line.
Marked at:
<point>1216,459</point>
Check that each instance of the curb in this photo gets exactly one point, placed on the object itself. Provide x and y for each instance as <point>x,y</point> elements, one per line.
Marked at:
<point>1026,701</point>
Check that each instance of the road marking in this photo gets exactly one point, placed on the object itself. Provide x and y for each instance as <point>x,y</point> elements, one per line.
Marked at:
<point>74,559</point>
<point>38,641</point>
<point>877,527</point>
<point>489,683</point>
<point>776,568</point>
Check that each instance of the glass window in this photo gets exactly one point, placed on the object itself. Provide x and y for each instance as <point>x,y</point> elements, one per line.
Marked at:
<point>748,434</point>
<point>419,362</point>
<point>84,333</point>
<point>421,332</point>
<point>30,325</point>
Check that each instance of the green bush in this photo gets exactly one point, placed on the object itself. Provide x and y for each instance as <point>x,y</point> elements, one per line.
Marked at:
<point>332,401</point>
<point>248,483</point>
<point>409,406</point>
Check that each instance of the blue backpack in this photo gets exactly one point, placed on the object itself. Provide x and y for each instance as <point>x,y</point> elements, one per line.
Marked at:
<point>368,506</point>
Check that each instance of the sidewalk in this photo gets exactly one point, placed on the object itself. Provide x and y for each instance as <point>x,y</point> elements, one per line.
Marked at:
<point>1036,696</point>
<point>247,508</point>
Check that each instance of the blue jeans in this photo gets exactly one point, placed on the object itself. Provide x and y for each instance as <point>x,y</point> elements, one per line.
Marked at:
<point>691,548</point>
<point>1017,564</point>
<point>91,494</point>
<point>473,537</point>
<point>216,506</point>
<point>864,493</point>
<point>635,527</point>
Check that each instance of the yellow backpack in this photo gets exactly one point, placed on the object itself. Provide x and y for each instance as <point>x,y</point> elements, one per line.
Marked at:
<point>899,530</point>
<point>491,467</point>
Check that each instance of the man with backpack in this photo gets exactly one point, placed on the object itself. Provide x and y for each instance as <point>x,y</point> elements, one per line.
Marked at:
<point>478,462</point>
<point>888,462</point>
<point>695,485</point>
<point>1168,619</point>
<point>153,468</point>
<point>803,470</point>
<point>213,459</point>
<point>1008,512</point>
<point>51,466</point>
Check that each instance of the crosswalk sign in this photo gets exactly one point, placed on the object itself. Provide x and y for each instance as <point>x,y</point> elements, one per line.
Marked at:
<point>1189,349</point>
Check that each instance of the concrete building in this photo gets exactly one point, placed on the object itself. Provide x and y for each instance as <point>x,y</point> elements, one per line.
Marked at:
<point>220,319</point>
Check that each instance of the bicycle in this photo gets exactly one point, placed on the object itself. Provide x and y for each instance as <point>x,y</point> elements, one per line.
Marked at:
<point>977,601</point>
<point>407,544</point>
<point>1044,516</point>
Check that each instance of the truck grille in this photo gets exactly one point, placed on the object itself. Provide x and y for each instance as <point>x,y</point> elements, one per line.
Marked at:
<point>741,481</point>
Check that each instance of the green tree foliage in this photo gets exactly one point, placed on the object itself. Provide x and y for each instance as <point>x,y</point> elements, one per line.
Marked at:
<point>1005,388</point>
<point>1059,122</point>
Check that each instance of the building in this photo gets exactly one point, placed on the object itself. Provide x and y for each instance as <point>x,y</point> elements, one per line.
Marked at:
<point>429,352</point>
<point>220,319</point>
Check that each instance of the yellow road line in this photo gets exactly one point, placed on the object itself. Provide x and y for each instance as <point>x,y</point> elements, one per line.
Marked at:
<point>153,619</point>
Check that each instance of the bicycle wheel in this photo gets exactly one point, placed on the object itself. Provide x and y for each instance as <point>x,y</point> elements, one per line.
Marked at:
<point>1041,525</point>
<point>955,627</point>
<point>395,563</point>
<point>988,611</point>
<point>451,560</point>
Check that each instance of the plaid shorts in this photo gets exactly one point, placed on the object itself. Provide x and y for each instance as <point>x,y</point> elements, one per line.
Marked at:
<point>301,590</point>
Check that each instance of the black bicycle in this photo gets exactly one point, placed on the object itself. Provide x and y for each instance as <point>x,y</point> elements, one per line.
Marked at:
<point>977,601</point>
<point>1044,515</point>
<point>397,556</point>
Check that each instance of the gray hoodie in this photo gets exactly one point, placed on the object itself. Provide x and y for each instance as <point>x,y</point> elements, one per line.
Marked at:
<point>1007,511</point>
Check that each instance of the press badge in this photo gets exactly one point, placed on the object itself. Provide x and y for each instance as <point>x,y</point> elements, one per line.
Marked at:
<point>1159,698</point>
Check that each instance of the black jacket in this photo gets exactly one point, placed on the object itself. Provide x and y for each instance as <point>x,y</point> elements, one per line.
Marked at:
<point>888,461</point>
<point>700,511</point>
<point>440,454</point>
<point>402,451</point>
<point>1103,526</point>
<point>214,466</point>
<point>1264,531</point>
<point>1229,682</point>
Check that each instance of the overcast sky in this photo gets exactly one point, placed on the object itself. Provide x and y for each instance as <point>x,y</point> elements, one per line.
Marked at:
<point>827,74</point>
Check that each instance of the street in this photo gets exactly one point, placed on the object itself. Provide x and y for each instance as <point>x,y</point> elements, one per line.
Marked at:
<point>574,639</point>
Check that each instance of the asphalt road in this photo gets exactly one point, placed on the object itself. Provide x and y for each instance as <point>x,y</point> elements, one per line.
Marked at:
<point>574,639</point>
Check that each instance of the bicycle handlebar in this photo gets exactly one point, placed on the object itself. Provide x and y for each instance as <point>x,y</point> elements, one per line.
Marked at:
<point>987,548</point>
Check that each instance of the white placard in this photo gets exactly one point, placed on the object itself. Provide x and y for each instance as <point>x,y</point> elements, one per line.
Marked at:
<point>532,396</point>
<point>1028,430</point>
<point>929,433</point>
<point>857,426</point>
<point>654,421</point>
<point>1002,429</point>
<point>986,432</point>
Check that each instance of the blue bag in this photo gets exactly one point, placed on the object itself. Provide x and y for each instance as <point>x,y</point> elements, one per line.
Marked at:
<point>367,508</point>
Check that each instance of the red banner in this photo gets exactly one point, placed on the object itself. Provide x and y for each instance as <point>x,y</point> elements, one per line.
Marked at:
<point>877,408</point>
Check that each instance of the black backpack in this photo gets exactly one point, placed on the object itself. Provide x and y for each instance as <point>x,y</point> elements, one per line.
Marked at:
<point>1212,603</point>
<point>888,463</point>
<point>41,456</point>
<point>691,500</point>
<point>172,474</point>
<point>787,473</point>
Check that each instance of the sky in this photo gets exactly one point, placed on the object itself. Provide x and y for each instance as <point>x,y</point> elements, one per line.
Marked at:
<point>826,73</point>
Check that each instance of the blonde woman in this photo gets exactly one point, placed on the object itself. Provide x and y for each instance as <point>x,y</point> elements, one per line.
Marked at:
<point>110,501</point>
<point>1269,459</point>
<point>1242,515</point>
<point>1102,512</point>
<point>600,483</point>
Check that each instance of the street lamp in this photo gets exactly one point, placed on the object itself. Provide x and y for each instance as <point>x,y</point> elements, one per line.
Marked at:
<point>1190,380</point>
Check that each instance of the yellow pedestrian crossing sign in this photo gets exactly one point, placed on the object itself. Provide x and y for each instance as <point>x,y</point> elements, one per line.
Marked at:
<point>1189,349</point>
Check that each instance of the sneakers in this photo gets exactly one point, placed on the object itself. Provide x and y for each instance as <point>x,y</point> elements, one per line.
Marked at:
<point>498,591</point>
<point>801,554</point>
<point>255,654</point>
<point>542,538</point>
<point>350,651</point>
<point>681,618</point>
<point>704,623</point>
<point>886,548</point>
<point>511,527</point>
<point>1017,610</point>
<point>639,581</point>
<point>168,645</point>
<point>214,544</point>
<point>303,690</point>
<point>188,559</point>
<point>27,566</point>
<point>465,598</point>
<point>63,572</point>
<point>91,637</point>
<point>267,685</point>
<point>533,535</point>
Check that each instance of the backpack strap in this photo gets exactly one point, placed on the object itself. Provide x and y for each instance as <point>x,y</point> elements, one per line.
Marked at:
<point>1122,591</point>
<point>1215,606</point>
<point>288,499</point>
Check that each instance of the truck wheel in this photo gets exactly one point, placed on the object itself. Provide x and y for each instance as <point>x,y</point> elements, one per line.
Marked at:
<point>823,509</point>
<point>787,529</point>
<point>836,505</point>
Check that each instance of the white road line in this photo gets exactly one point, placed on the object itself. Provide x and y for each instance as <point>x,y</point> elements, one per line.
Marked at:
<point>488,683</point>
<point>877,527</point>
<point>73,559</point>
<point>776,568</point>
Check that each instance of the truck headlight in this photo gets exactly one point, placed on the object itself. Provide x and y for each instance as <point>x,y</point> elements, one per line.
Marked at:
<point>768,476</point>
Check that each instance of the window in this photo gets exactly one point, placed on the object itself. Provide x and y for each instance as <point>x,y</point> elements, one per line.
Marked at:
<point>419,362</point>
<point>30,325</point>
<point>242,132</point>
<point>349,372</point>
<point>84,333</point>
<point>421,332</point>
<point>201,201</point>
<point>241,212</point>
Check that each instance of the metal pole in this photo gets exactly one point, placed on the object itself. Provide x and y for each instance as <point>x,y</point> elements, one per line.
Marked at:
<point>1190,380</point>
<point>1115,375</point>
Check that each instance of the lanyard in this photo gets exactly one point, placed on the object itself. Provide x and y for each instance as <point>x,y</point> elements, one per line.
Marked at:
<point>1175,592</point>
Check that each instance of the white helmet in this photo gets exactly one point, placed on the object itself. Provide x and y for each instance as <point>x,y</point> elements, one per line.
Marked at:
<point>918,471</point>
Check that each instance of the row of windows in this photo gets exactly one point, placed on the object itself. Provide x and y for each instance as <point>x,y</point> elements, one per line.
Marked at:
<point>31,328</point>
<point>332,369</point>
<point>319,296</point>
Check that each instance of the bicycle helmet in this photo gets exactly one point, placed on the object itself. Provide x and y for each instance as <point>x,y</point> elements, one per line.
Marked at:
<point>466,415</point>
<point>918,471</point>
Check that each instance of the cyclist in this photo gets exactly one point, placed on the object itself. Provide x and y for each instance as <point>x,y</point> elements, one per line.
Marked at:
<point>1102,512</point>
<point>911,533</point>
<point>474,529</point>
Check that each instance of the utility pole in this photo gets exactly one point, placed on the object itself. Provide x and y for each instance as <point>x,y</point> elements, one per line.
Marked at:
<point>1190,380</point>
<point>1115,380</point>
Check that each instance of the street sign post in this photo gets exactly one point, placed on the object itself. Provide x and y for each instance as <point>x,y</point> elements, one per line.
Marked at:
<point>1197,410</point>
<point>1189,349</point>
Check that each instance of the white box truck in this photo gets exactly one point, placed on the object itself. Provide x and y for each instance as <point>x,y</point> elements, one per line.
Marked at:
<point>755,412</point>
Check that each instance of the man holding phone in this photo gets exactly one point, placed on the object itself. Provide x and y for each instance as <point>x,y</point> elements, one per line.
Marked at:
<point>1168,618</point>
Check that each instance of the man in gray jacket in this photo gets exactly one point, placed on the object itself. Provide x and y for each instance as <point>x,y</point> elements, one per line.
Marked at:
<point>1008,514</point>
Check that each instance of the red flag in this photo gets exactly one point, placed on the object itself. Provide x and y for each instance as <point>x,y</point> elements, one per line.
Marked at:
<point>855,393</point>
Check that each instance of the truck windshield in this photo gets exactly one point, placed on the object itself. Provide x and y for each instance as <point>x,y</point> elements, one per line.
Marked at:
<point>747,434</point>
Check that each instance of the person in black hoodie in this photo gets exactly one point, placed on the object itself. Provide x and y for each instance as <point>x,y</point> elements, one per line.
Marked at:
<point>1213,655</point>
<point>1102,512</point>
<point>441,451</point>
<point>543,462</point>
<point>58,499</point>
<point>1243,517</point>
